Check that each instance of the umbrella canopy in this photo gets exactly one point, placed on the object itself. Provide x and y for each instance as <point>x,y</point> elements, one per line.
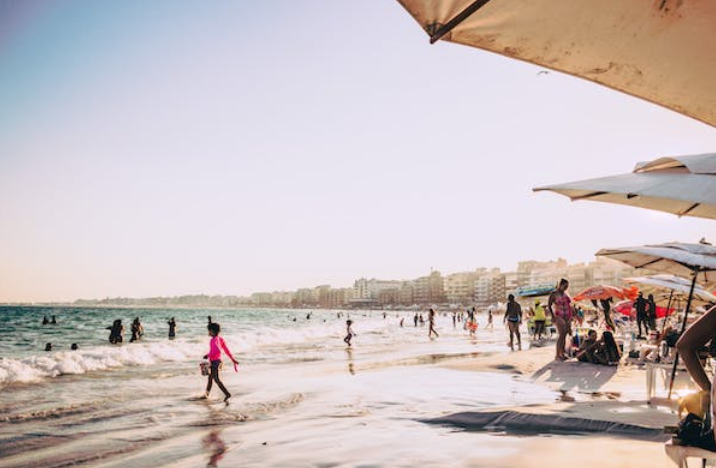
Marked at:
<point>534,291</point>
<point>699,260</point>
<point>673,258</point>
<point>673,283</point>
<point>627,308</point>
<point>601,292</point>
<point>662,51</point>
<point>682,185</point>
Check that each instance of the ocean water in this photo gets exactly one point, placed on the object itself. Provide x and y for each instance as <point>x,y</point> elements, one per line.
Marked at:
<point>301,397</point>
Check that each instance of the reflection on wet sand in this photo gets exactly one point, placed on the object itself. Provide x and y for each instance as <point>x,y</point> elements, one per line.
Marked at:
<point>215,446</point>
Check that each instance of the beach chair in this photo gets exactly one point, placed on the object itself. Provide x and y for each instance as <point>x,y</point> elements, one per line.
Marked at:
<point>680,454</point>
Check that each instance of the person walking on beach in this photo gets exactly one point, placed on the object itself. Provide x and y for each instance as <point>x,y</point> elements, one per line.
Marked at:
<point>513,317</point>
<point>540,320</point>
<point>640,305</point>
<point>137,330</point>
<point>415,319</point>
<point>559,306</point>
<point>172,328</point>
<point>489,319</point>
<point>216,346</point>
<point>349,333</point>
<point>431,324</point>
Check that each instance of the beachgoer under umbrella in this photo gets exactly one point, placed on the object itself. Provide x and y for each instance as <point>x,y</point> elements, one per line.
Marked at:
<point>559,307</point>
<point>651,312</point>
<point>640,305</point>
<point>607,308</point>
<point>513,317</point>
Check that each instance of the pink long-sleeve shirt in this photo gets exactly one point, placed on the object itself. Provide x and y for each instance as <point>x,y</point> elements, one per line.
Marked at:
<point>216,344</point>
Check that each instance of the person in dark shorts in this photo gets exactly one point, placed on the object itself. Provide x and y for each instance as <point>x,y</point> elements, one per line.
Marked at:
<point>651,312</point>
<point>513,317</point>
<point>540,320</point>
<point>216,346</point>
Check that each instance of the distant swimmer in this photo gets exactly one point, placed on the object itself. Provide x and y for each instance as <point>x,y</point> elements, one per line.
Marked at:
<point>216,346</point>
<point>45,321</point>
<point>137,330</point>
<point>53,321</point>
<point>74,347</point>
<point>349,332</point>
<point>172,328</point>
<point>116,331</point>
<point>48,347</point>
<point>431,324</point>
<point>513,317</point>
<point>308,316</point>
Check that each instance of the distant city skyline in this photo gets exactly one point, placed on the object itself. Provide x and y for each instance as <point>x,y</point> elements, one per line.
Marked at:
<point>168,148</point>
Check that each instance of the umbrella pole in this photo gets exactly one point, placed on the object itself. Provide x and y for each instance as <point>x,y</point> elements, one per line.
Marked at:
<point>666,317</point>
<point>683,327</point>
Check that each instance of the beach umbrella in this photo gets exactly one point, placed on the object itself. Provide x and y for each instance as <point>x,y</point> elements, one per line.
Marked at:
<point>681,259</point>
<point>662,51</point>
<point>681,185</point>
<point>673,283</point>
<point>534,291</point>
<point>601,292</point>
<point>626,307</point>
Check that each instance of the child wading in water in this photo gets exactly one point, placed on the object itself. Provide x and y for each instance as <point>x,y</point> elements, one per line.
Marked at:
<point>349,331</point>
<point>217,344</point>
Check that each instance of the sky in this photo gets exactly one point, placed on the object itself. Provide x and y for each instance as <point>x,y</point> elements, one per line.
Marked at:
<point>170,147</point>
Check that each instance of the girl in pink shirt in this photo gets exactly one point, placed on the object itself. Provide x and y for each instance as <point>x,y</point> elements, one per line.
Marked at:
<point>216,345</point>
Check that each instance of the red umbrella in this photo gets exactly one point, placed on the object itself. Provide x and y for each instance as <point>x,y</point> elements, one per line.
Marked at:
<point>627,308</point>
<point>603,292</point>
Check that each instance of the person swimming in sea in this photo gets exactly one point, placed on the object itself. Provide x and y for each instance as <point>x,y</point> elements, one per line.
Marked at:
<point>53,321</point>
<point>137,330</point>
<point>349,333</point>
<point>172,328</point>
<point>116,331</point>
<point>74,347</point>
<point>48,347</point>
<point>216,346</point>
<point>45,321</point>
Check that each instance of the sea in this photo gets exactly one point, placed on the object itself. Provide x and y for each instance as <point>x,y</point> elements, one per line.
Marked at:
<point>301,397</point>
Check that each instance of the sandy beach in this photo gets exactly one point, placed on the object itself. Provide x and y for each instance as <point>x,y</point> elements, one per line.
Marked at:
<point>396,399</point>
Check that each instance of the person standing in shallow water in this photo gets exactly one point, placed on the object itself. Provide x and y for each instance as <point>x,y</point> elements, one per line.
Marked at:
<point>431,324</point>
<point>513,317</point>
<point>216,346</point>
<point>349,333</point>
<point>560,308</point>
<point>172,328</point>
<point>137,330</point>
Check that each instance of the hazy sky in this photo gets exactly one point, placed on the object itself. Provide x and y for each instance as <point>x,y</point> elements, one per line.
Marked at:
<point>165,147</point>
